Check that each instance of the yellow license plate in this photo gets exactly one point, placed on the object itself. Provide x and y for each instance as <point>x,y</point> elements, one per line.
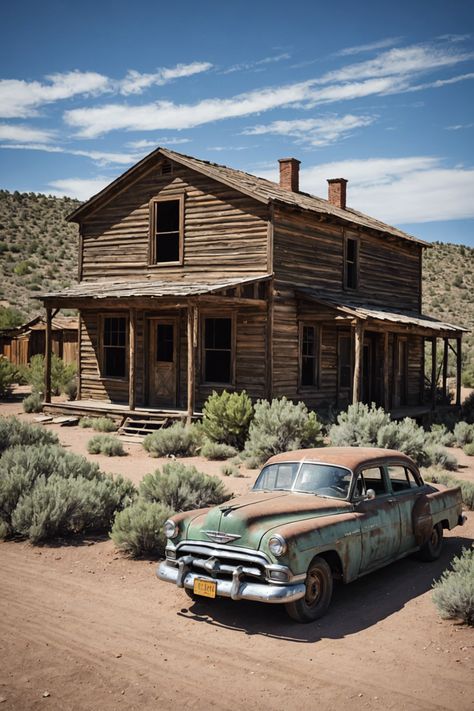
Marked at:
<point>207,588</point>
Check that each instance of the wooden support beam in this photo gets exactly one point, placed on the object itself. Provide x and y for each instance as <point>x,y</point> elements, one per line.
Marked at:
<point>458,370</point>
<point>79,340</point>
<point>132,343</point>
<point>433,372</point>
<point>386,373</point>
<point>358,351</point>
<point>445,369</point>
<point>47,356</point>
<point>191,362</point>
<point>269,343</point>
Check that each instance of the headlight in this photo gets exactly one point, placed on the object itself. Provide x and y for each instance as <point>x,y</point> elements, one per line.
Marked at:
<point>170,529</point>
<point>277,545</point>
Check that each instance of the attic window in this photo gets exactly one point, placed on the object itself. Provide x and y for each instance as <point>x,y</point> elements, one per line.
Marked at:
<point>166,217</point>
<point>166,167</point>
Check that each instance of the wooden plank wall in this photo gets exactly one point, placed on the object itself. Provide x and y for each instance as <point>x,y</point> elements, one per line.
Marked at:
<point>223,228</point>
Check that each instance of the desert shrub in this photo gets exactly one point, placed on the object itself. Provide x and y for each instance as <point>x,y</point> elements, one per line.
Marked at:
<point>61,374</point>
<point>464,433</point>
<point>70,389</point>
<point>33,403</point>
<point>468,409</point>
<point>13,433</point>
<point>436,455</point>
<point>359,426</point>
<point>10,317</point>
<point>439,434</point>
<point>217,450</point>
<point>8,376</point>
<point>227,417</point>
<point>46,491</point>
<point>183,487</point>
<point>138,529</point>
<point>99,424</point>
<point>279,426</point>
<point>106,444</point>
<point>453,593</point>
<point>230,469</point>
<point>179,440</point>
<point>469,449</point>
<point>404,436</point>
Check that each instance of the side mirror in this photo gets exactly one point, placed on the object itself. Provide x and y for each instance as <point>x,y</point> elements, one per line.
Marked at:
<point>370,494</point>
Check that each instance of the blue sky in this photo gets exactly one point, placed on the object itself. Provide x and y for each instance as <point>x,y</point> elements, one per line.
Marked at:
<point>379,93</point>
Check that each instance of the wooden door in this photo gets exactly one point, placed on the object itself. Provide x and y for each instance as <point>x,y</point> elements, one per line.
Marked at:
<point>400,372</point>
<point>163,363</point>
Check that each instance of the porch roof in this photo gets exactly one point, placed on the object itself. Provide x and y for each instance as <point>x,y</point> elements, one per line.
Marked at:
<point>368,312</point>
<point>149,288</point>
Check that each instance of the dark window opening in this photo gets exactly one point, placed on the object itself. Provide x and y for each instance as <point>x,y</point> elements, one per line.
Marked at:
<point>165,343</point>
<point>308,356</point>
<point>115,335</point>
<point>351,264</point>
<point>218,350</point>
<point>167,231</point>
<point>345,362</point>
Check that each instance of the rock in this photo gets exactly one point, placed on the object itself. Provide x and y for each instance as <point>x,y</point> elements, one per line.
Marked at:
<point>46,694</point>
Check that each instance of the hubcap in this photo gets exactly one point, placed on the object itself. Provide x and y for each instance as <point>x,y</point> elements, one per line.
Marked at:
<point>313,588</point>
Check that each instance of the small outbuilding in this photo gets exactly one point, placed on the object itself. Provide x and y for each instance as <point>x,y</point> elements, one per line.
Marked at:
<point>20,344</point>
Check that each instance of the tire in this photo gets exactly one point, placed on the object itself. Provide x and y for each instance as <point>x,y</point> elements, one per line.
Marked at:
<point>431,550</point>
<point>319,584</point>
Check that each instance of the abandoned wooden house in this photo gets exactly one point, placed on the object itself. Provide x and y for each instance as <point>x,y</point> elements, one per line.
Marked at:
<point>21,343</point>
<point>195,277</point>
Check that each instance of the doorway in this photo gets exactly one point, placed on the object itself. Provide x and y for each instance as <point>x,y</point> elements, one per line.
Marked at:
<point>163,362</point>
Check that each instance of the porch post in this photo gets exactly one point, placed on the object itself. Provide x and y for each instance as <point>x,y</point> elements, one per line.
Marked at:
<point>132,340</point>
<point>445,368</point>
<point>458,370</point>
<point>386,366</point>
<point>78,357</point>
<point>191,362</point>
<point>433,372</point>
<point>47,356</point>
<point>358,350</point>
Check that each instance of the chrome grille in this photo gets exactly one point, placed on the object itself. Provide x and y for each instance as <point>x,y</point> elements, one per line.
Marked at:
<point>221,561</point>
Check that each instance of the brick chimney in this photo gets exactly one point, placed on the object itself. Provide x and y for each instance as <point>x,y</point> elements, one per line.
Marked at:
<point>290,174</point>
<point>337,188</point>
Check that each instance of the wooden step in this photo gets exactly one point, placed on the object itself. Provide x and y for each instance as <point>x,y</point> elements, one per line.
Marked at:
<point>139,427</point>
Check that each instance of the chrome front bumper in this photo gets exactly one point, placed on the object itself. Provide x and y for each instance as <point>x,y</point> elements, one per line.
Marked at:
<point>237,589</point>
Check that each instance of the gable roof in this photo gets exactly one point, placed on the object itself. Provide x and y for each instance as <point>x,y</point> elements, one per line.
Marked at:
<point>260,189</point>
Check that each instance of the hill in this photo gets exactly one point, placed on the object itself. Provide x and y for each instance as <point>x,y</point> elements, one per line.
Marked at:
<point>38,251</point>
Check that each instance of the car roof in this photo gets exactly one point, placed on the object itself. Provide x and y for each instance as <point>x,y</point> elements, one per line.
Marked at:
<point>350,457</point>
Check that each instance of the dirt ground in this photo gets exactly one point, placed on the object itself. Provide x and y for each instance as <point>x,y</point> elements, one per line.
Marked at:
<point>82,627</point>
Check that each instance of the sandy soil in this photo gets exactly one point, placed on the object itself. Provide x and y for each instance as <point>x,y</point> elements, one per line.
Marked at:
<point>94,630</point>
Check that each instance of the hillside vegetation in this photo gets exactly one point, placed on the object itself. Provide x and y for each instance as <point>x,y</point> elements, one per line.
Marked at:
<point>38,251</point>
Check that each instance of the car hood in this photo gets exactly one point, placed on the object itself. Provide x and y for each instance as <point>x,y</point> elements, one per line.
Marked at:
<point>247,518</point>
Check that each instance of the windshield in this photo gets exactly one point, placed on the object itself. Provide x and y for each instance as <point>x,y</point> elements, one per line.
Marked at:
<point>320,479</point>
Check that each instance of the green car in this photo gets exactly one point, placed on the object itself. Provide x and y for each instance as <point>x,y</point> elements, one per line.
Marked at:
<point>312,517</point>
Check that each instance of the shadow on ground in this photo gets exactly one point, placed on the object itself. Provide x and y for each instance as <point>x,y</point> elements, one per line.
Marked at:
<point>354,607</point>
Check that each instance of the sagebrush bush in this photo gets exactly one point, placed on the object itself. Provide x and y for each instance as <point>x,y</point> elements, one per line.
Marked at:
<point>70,389</point>
<point>464,433</point>
<point>279,426</point>
<point>106,444</point>
<point>138,529</point>
<point>99,424</point>
<point>453,593</point>
<point>230,469</point>
<point>404,436</point>
<point>33,403</point>
<point>468,409</point>
<point>183,487</point>
<point>359,426</point>
<point>61,374</point>
<point>34,502</point>
<point>227,417</point>
<point>436,455</point>
<point>13,433</point>
<point>469,449</point>
<point>8,377</point>
<point>179,440</point>
<point>217,450</point>
<point>439,434</point>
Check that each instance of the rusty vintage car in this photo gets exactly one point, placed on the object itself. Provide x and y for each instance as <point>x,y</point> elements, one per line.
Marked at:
<point>313,516</point>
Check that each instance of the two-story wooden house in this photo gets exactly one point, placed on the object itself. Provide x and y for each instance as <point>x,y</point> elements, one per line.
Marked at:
<point>195,277</point>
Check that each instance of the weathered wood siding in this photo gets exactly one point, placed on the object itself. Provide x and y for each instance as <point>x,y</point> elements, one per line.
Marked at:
<point>225,232</point>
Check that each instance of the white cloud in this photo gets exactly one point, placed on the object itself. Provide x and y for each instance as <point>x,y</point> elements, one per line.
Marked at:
<point>314,131</point>
<point>399,191</point>
<point>79,188</point>
<point>459,126</point>
<point>21,133</point>
<point>441,82</point>
<point>259,63</point>
<point>99,157</point>
<point>144,143</point>
<point>135,82</point>
<point>370,47</point>
<point>19,98</point>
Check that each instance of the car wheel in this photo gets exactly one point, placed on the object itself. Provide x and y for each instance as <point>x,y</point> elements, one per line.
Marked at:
<point>431,550</point>
<point>319,584</point>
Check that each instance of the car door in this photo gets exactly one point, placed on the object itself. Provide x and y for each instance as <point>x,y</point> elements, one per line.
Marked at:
<point>406,489</point>
<point>379,518</point>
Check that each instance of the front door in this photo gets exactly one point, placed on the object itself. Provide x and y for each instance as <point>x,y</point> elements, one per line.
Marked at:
<point>162,363</point>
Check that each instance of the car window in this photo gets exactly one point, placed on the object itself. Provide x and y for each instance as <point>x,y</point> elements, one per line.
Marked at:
<point>401,478</point>
<point>277,476</point>
<point>323,479</point>
<point>371,478</point>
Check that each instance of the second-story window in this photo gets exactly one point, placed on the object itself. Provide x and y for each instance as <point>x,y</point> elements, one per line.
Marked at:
<point>167,232</point>
<point>351,263</point>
